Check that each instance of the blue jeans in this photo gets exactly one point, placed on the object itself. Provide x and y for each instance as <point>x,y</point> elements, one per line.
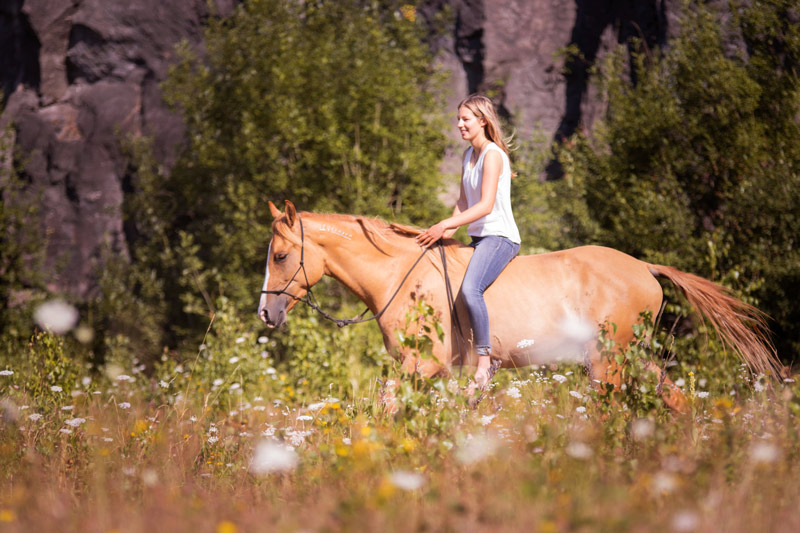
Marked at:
<point>492,254</point>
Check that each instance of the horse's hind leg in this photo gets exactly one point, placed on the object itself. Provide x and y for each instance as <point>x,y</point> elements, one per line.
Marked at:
<point>604,370</point>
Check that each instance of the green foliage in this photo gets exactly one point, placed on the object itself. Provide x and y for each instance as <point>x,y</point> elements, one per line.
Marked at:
<point>423,328</point>
<point>22,246</point>
<point>697,163</point>
<point>332,105</point>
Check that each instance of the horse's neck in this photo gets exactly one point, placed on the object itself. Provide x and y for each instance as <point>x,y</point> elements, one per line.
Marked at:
<point>353,258</point>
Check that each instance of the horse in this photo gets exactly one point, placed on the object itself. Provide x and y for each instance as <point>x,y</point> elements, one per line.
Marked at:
<point>529,304</point>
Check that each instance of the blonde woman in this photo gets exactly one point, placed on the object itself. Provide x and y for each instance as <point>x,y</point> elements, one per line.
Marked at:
<point>484,204</point>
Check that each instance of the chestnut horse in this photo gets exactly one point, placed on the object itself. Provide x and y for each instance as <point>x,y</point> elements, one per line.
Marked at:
<point>528,304</point>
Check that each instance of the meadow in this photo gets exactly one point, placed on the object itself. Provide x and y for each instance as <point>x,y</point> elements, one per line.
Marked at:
<point>233,440</point>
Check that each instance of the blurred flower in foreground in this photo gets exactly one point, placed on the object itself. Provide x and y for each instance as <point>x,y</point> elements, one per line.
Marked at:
<point>642,429</point>
<point>685,521</point>
<point>764,452</point>
<point>271,457</point>
<point>579,450</point>
<point>405,480</point>
<point>56,316</point>
<point>476,449</point>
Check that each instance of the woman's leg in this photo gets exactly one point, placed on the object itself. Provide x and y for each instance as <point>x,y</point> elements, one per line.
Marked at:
<point>492,254</point>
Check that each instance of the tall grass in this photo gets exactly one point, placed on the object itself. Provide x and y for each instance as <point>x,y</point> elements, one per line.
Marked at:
<point>234,441</point>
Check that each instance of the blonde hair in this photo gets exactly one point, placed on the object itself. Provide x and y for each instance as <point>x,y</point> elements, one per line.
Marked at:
<point>483,108</point>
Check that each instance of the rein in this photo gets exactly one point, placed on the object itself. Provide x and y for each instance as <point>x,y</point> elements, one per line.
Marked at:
<point>311,300</point>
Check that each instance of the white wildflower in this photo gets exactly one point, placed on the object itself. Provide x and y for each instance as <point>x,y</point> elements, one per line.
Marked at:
<point>642,429</point>
<point>477,449</point>
<point>33,417</point>
<point>262,340</point>
<point>579,450</point>
<point>217,382</point>
<point>65,431</point>
<point>559,378</point>
<point>487,419</point>
<point>75,422</point>
<point>108,439</point>
<point>576,394</point>
<point>524,343</point>
<point>685,521</point>
<point>235,386</point>
<point>240,340</point>
<point>125,405</point>
<point>68,408</point>
<point>149,477</point>
<point>6,372</point>
<point>346,441</point>
<point>581,409</point>
<point>296,438</point>
<point>163,384</point>
<point>680,382</point>
<point>701,394</point>
<point>56,388</point>
<point>764,452</point>
<point>86,381</point>
<point>270,431</point>
<point>212,439</point>
<point>271,370</point>
<point>124,377</point>
<point>56,316</point>
<point>407,481</point>
<point>213,429</point>
<point>664,483</point>
<point>513,392</point>
<point>233,360</point>
<point>305,418</point>
<point>271,457</point>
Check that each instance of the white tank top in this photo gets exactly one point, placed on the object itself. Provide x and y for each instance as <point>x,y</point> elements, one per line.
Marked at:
<point>501,220</point>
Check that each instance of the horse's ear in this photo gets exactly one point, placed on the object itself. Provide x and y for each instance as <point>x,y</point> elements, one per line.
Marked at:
<point>291,213</point>
<point>274,210</point>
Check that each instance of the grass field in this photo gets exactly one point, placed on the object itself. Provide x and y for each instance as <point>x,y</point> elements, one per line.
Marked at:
<point>234,441</point>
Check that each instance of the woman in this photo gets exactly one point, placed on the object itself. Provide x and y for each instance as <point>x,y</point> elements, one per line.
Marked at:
<point>484,204</point>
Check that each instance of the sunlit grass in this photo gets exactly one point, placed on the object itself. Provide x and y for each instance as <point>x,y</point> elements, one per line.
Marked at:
<point>234,441</point>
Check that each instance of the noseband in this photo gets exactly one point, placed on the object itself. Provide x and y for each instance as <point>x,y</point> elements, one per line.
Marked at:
<point>311,301</point>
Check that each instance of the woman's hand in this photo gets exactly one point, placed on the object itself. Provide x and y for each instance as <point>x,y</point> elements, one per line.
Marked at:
<point>431,235</point>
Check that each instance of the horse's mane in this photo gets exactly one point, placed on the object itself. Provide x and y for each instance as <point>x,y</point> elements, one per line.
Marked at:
<point>390,238</point>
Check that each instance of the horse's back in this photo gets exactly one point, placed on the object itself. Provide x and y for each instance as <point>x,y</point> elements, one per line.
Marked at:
<point>535,294</point>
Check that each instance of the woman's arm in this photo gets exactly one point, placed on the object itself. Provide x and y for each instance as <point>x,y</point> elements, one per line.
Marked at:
<point>492,166</point>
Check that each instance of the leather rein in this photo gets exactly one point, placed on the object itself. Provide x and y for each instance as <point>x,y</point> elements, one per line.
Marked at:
<point>311,300</point>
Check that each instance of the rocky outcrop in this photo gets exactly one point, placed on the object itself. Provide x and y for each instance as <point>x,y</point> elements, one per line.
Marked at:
<point>80,75</point>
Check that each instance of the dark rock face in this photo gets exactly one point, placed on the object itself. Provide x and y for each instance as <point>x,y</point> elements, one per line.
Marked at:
<point>80,75</point>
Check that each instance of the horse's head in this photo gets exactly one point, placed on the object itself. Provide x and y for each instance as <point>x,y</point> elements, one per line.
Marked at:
<point>293,266</point>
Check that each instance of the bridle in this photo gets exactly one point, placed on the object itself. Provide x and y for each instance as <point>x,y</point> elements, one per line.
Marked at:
<point>311,300</point>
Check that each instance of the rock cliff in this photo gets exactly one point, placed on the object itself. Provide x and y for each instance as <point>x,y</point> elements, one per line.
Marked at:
<point>79,75</point>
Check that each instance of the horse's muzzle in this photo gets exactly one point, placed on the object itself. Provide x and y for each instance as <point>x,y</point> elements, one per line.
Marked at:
<point>273,320</point>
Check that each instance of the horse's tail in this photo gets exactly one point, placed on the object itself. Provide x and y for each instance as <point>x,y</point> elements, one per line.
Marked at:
<point>741,326</point>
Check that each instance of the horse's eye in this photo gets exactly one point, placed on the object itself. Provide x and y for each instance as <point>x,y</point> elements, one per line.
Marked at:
<point>280,257</point>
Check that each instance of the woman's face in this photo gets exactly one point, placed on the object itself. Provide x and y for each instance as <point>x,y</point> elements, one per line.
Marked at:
<point>469,125</point>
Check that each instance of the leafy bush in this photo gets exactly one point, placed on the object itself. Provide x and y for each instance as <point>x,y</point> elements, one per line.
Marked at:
<point>697,163</point>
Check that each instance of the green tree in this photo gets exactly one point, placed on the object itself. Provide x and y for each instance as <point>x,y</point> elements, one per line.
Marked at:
<point>697,163</point>
<point>331,104</point>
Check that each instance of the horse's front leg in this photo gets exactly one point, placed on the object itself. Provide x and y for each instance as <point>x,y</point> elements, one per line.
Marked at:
<point>412,365</point>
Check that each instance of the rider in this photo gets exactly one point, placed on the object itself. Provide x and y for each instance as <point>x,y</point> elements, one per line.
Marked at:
<point>484,204</point>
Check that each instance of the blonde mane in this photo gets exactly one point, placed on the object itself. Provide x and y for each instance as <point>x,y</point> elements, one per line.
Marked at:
<point>390,238</point>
